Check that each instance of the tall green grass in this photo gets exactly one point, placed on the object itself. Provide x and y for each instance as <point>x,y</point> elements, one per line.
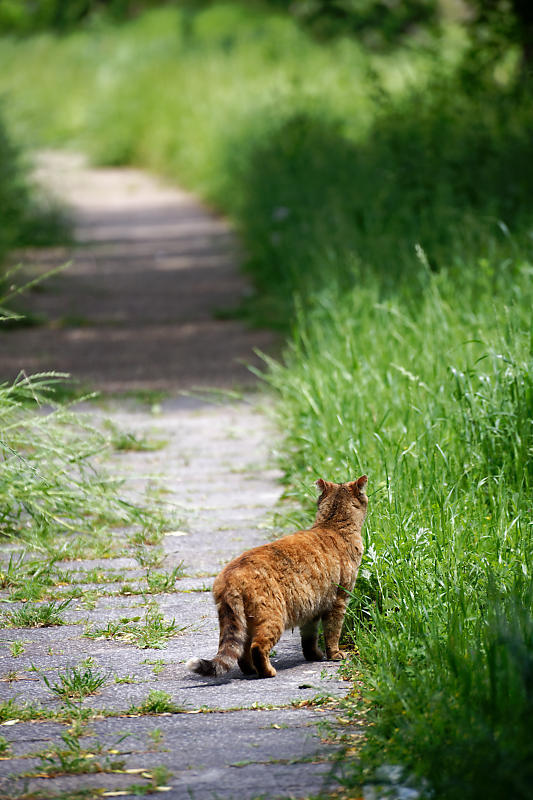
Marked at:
<point>433,398</point>
<point>53,487</point>
<point>385,207</point>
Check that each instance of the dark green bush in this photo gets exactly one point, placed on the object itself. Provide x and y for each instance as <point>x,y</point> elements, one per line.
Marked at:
<point>448,169</point>
<point>14,196</point>
<point>26,16</point>
<point>26,219</point>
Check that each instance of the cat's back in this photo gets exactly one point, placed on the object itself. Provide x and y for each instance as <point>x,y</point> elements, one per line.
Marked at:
<point>305,554</point>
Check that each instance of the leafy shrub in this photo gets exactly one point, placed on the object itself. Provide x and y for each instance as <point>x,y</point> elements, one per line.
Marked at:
<point>26,16</point>
<point>445,168</point>
<point>26,218</point>
<point>14,198</point>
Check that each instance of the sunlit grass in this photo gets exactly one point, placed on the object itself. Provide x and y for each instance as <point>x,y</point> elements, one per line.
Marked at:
<point>236,69</point>
<point>35,616</point>
<point>434,401</point>
<point>50,480</point>
<point>152,631</point>
<point>77,682</point>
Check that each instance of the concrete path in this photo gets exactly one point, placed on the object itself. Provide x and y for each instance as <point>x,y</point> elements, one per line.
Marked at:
<point>137,307</point>
<point>237,737</point>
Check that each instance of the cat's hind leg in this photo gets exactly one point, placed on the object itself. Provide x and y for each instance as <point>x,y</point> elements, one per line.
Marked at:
<point>245,661</point>
<point>265,636</point>
<point>309,634</point>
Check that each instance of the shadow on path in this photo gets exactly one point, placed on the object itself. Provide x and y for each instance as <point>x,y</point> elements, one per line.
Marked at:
<point>137,307</point>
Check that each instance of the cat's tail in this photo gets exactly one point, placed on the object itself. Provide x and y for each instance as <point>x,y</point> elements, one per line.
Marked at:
<point>232,638</point>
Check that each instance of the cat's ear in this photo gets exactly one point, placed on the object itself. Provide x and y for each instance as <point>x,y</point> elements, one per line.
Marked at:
<point>361,483</point>
<point>322,485</point>
<point>358,486</point>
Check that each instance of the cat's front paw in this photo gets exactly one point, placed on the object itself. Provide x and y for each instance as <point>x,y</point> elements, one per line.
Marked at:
<point>337,655</point>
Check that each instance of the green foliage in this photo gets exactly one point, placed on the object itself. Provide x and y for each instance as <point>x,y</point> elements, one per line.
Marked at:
<point>495,25</point>
<point>13,193</point>
<point>26,16</point>
<point>431,394</point>
<point>48,481</point>
<point>469,704</point>
<point>157,702</point>
<point>36,616</point>
<point>77,682</point>
<point>433,170</point>
<point>150,632</point>
<point>26,218</point>
<point>380,22</point>
<point>289,129</point>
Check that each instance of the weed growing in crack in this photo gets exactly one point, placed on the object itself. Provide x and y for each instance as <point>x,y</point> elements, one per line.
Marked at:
<point>10,710</point>
<point>149,557</point>
<point>16,648</point>
<point>125,441</point>
<point>127,679</point>
<point>18,571</point>
<point>72,759</point>
<point>74,713</point>
<point>127,589</point>
<point>12,676</point>
<point>147,537</point>
<point>156,735</point>
<point>158,777</point>
<point>80,681</point>
<point>157,702</point>
<point>89,599</point>
<point>32,590</point>
<point>95,575</point>
<point>157,666</point>
<point>164,581</point>
<point>26,580</point>
<point>36,616</point>
<point>150,632</point>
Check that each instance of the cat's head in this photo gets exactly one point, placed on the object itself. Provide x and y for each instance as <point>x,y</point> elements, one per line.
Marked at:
<point>337,496</point>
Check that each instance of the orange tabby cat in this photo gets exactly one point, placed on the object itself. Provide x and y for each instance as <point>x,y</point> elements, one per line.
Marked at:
<point>293,582</point>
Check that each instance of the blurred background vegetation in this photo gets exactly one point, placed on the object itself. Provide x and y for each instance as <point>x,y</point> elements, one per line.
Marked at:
<point>377,159</point>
